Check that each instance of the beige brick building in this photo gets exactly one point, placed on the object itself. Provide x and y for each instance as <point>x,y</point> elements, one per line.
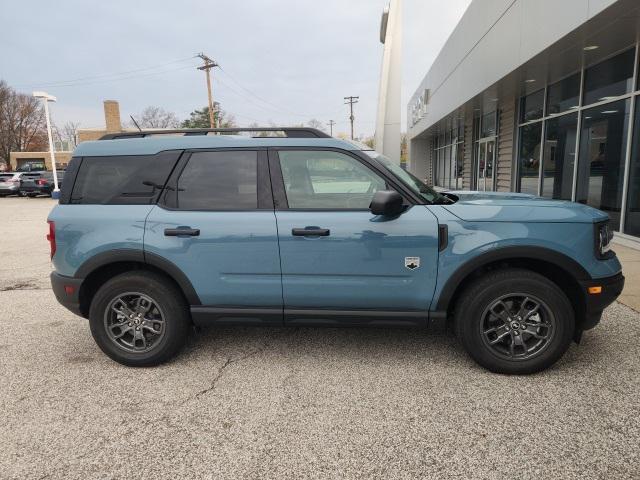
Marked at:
<point>111,120</point>
<point>39,160</point>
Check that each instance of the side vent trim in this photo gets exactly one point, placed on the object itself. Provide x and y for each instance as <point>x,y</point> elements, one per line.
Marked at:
<point>443,237</point>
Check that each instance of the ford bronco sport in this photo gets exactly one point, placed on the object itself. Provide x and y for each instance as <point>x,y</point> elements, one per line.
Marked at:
<point>158,231</point>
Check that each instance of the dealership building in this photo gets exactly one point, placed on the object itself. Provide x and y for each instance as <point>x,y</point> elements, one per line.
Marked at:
<point>539,97</point>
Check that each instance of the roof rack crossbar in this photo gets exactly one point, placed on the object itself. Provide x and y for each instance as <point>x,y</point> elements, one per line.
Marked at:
<point>290,132</point>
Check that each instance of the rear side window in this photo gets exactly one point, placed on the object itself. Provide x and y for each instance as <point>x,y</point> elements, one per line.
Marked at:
<point>222,180</point>
<point>122,180</point>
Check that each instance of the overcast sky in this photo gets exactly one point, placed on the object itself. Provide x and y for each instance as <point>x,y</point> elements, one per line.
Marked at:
<point>283,61</point>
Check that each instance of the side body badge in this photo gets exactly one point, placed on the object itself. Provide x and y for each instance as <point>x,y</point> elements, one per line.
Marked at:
<point>412,262</point>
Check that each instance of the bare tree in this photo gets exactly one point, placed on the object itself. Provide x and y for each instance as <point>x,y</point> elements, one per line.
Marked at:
<point>22,123</point>
<point>157,117</point>
<point>69,133</point>
<point>370,142</point>
<point>315,123</point>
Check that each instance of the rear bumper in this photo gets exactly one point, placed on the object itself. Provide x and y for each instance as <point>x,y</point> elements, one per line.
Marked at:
<point>36,189</point>
<point>8,190</point>
<point>67,291</point>
<point>595,303</point>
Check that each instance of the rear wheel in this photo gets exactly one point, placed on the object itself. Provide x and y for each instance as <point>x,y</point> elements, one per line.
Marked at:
<point>514,321</point>
<point>139,319</point>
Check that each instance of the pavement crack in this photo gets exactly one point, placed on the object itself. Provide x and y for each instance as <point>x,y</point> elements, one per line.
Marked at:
<point>228,362</point>
<point>28,285</point>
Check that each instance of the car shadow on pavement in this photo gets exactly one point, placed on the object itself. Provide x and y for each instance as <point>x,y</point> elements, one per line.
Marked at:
<point>341,343</point>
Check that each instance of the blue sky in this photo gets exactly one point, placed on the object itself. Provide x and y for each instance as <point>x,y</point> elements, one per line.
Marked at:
<point>283,61</point>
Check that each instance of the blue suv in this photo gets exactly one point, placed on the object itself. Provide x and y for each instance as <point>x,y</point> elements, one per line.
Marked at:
<point>159,231</point>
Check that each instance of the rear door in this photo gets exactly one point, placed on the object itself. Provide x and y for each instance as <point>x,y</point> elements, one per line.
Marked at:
<point>215,222</point>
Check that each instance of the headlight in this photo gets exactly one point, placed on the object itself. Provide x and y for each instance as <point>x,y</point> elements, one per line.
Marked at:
<point>604,236</point>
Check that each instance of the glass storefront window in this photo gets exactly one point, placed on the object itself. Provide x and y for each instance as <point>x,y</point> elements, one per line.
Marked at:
<point>444,150</point>
<point>529,158</point>
<point>610,78</point>
<point>459,166</point>
<point>447,167</point>
<point>559,157</point>
<point>603,141</point>
<point>563,95</point>
<point>632,221</point>
<point>488,128</point>
<point>531,106</point>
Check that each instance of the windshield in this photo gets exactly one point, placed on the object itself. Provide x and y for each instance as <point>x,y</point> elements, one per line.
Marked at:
<point>413,182</point>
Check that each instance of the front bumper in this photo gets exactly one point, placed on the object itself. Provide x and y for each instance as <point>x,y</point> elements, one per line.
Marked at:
<point>595,303</point>
<point>67,291</point>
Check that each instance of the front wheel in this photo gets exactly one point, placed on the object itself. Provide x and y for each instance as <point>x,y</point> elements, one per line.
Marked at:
<point>139,319</point>
<point>514,321</point>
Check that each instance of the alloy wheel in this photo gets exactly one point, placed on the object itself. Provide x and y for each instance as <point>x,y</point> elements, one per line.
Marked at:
<point>134,322</point>
<point>517,326</point>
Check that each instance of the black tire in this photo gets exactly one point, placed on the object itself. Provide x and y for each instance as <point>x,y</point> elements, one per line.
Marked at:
<point>500,289</point>
<point>169,303</point>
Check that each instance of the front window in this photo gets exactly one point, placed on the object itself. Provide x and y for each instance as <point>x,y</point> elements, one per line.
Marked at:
<point>415,184</point>
<point>317,179</point>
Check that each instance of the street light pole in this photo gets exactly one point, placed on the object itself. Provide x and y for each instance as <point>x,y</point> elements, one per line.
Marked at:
<point>46,98</point>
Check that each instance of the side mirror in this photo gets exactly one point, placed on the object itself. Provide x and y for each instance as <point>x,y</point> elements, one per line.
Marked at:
<point>387,203</point>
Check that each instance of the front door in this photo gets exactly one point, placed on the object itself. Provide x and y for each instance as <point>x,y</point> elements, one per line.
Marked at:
<point>339,262</point>
<point>486,165</point>
<point>216,224</point>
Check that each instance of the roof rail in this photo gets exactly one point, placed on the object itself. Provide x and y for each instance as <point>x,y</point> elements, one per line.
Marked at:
<point>290,132</point>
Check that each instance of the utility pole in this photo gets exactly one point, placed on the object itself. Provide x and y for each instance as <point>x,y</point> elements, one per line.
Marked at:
<point>331,124</point>
<point>208,65</point>
<point>350,101</point>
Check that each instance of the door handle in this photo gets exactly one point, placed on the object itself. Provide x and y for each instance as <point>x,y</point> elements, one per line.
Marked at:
<point>310,232</point>
<point>181,232</point>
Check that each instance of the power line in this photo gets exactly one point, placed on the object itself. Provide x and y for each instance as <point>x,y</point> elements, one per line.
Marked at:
<point>351,101</point>
<point>252,101</point>
<point>273,105</point>
<point>98,82</point>
<point>92,78</point>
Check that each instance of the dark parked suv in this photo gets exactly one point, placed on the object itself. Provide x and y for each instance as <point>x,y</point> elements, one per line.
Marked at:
<point>38,183</point>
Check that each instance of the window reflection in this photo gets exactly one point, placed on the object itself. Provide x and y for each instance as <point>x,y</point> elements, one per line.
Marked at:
<point>489,125</point>
<point>610,78</point>
<point>564,95</point>
<point>603,141</point>
<point>559,157</point>
<point>632,222</point>
<point>531,107</point>
<point>529,158</point>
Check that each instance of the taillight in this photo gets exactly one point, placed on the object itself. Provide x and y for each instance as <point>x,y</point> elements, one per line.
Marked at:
<point>52,237</point>
<point>41,182</point>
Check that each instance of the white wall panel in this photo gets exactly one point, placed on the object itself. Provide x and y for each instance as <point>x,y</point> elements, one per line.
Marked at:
<point>493,39</point>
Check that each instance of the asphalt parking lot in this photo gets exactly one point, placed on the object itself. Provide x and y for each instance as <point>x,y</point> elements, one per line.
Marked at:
<point>300,403</point>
